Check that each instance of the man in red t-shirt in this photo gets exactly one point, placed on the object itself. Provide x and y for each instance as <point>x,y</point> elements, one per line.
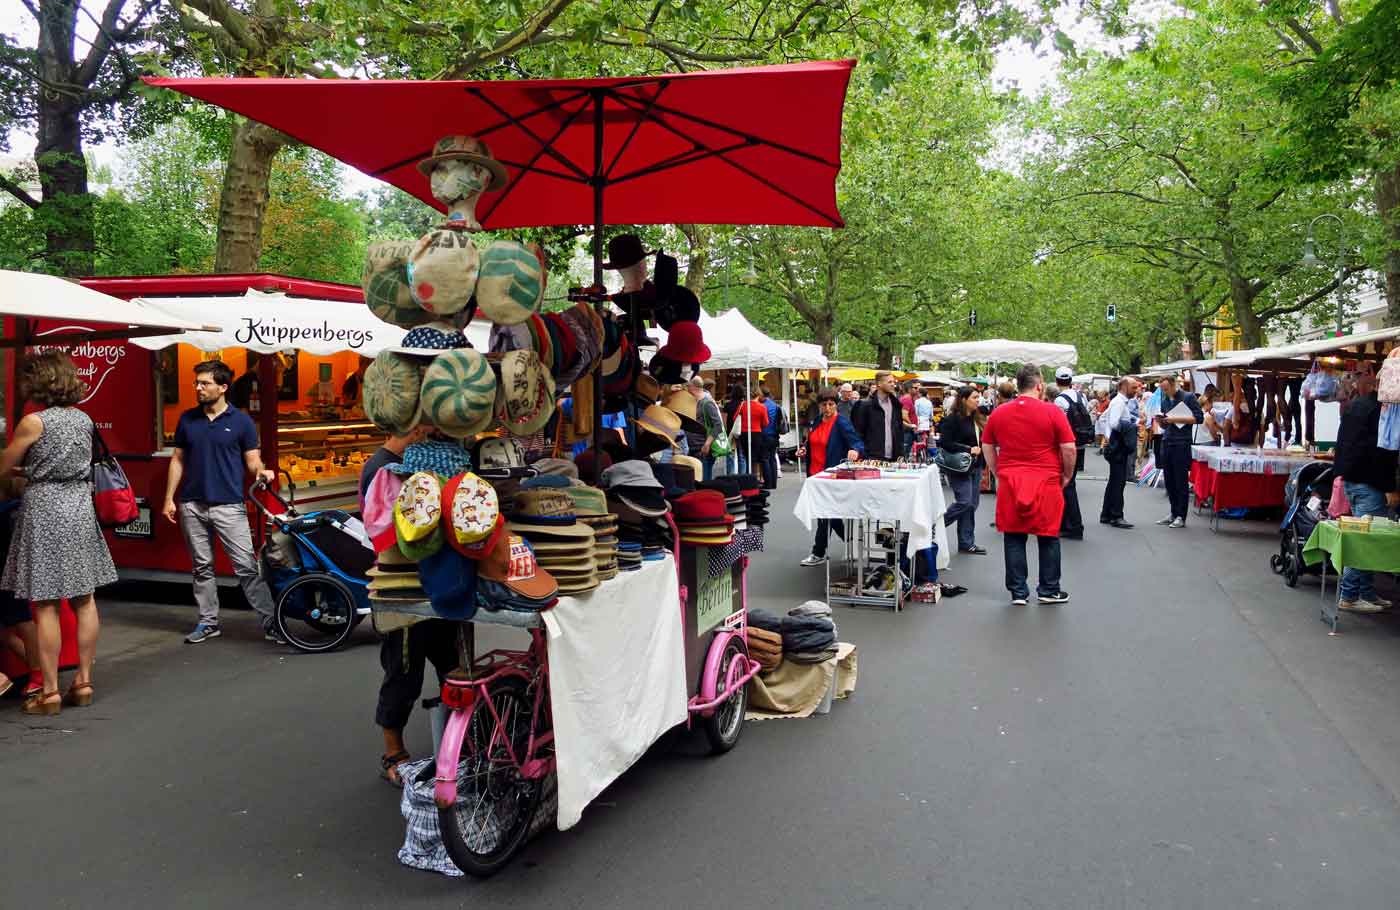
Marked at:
<point>1029,445</point>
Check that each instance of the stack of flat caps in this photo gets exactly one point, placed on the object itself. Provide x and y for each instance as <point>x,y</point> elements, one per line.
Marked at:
<point>755,499</point>
<point>730,487</point>
<point>394,579</point>
<point>703,519</point>
<point>510,578</point>
<point>629,555</point>
<point>591,507</point>
<point>633,484</point>
<point>563,545</point>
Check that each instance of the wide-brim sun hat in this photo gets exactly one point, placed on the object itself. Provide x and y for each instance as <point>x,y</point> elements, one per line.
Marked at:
<point>466,148</point>
<point>661,422</point>
<point>458,393</point>
<point>679,401</point>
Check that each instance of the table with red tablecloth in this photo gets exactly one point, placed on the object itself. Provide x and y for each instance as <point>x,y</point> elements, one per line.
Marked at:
<point>1235,478</point>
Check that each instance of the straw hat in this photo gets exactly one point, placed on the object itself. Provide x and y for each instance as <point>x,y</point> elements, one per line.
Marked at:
<point>661,422</point>
<point>678,400</point>
<point>549,512</point>
<point>510,286</point>
<point>390,392</point>
<point>458,392</point>
<point>525,396</point>
<point>442,270</point>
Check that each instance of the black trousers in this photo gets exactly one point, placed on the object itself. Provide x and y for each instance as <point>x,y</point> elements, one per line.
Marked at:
<point>824,528</point>
<point>404,654</point>
<point>1176,472</point>
<point>1112,509</point>
<point>769,461</point>
<point>1072,523</point>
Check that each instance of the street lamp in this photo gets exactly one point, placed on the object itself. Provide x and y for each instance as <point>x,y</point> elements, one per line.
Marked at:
<point>751,276</point>
<point>1311,260</point>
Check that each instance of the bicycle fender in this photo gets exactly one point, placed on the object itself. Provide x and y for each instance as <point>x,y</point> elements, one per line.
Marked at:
<point>448,757</point>
<point>709,680</point>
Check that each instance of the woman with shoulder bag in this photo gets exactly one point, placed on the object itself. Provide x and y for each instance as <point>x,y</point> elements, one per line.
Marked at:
<point>961,432</point>
<point>58,552</point>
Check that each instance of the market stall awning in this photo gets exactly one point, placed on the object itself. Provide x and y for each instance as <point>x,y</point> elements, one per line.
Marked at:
<point>1295,355</point>
<point>33,296</point>
<point>998,350</point>
<point>758,145</point>
<point>277,322</point>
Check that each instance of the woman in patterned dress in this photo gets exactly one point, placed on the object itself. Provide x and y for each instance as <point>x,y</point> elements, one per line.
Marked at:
<point>57,552</point>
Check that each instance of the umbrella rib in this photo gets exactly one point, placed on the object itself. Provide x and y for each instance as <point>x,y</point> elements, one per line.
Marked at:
<point>681,159</point>
<point>509,121</point>
<point>479,133</point>
<point>519,124</point>
<point>782,147</point>
<point>835,222</point>
<point>636,125</point>
<point>529,166</point>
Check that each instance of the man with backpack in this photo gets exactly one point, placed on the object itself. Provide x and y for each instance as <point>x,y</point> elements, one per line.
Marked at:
<point>1076,408</point>
<point>772,434</point>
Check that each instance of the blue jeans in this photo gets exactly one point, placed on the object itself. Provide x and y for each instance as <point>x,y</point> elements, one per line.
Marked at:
<point>1014,547</point>
<point>1358,584</point>
<point>708,462</point>
<point>966,493</point>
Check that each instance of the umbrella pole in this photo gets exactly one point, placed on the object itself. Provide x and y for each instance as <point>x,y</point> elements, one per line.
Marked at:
<point>748,430</point>
<point>598,268</point>
<point>22,328</point>
<point>796,421</point>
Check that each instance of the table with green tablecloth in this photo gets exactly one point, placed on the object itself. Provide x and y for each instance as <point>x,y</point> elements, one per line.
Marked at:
<point>1376,550</point>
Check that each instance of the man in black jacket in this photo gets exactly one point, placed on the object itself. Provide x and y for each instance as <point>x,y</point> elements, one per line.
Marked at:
<point>1176,447</point>
<point>1368,475</point>
<point>880,422</point>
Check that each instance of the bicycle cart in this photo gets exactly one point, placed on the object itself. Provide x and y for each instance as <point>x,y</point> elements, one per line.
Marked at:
<point>499,742</point>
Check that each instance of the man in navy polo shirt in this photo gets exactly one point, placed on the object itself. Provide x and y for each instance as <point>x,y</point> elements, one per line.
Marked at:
<point>215,444</point>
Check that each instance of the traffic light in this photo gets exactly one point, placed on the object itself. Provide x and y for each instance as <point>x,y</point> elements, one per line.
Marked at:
<point>1112,313</point>
<point>972,318</point>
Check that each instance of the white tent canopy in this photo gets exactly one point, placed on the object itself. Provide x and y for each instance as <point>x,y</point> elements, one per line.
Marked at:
<point>32,296</point>
<point>267,323</point>
<point>998,350</point>
<point>735,344</point>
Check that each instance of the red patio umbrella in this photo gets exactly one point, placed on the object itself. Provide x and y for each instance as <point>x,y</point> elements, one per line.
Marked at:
<point>758,145</point>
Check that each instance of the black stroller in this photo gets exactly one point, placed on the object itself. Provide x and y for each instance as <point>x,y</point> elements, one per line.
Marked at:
<point>1305,497</point>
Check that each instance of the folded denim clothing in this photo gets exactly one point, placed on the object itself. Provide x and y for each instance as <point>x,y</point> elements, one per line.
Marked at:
<point>765,620</point>
<point>810,657</point>
<point>807,633</point>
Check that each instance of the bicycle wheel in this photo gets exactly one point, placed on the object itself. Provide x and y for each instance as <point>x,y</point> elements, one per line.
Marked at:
<point>495,804</point>
<point>723,727</point>
<point>316,613</point>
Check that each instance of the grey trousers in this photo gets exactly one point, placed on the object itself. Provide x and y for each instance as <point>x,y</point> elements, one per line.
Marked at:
<point>201,523</point>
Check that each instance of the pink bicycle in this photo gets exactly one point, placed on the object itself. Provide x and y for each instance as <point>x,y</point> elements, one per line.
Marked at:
<point>498,745</point>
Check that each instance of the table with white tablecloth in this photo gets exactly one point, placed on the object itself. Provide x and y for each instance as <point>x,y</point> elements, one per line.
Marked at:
<point>912,499</point>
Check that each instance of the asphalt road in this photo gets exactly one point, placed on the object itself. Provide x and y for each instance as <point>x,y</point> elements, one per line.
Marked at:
<point>1182,734</point>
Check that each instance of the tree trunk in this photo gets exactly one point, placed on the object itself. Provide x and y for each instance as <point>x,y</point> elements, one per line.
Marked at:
<point>1193,329</point>
<point>1388,206</point>
<point>66,210</point>
<point>243,199</point>
<point>884,355</point>
<point>698,259</point>
<point>1241,294</point>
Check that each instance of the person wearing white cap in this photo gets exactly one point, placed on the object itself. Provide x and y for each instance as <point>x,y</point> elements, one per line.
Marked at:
<point>1076,408</point>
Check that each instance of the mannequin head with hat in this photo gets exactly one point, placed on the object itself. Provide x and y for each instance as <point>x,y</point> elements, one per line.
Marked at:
<point>627,257</point>
<point>459,170</point>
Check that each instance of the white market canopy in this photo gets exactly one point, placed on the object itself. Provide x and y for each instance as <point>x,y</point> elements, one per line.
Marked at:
<point>735,344</point>
<point>998,350</point>
<point>268,323</point>
<point>32,296</point>
<point>1302,350</point>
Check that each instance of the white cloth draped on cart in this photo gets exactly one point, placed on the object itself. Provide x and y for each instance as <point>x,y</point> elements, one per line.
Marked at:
<point>914,499</point>
<point>616,679</point>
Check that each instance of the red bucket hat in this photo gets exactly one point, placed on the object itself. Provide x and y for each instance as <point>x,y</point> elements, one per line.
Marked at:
<point>685,343</point>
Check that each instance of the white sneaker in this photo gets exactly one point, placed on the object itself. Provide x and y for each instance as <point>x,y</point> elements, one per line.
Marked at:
<point>1165,521</point>
<point>1379,601</point>
<point>1359,606</point>
<point>813,560</point>
<point>1177,523</point>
